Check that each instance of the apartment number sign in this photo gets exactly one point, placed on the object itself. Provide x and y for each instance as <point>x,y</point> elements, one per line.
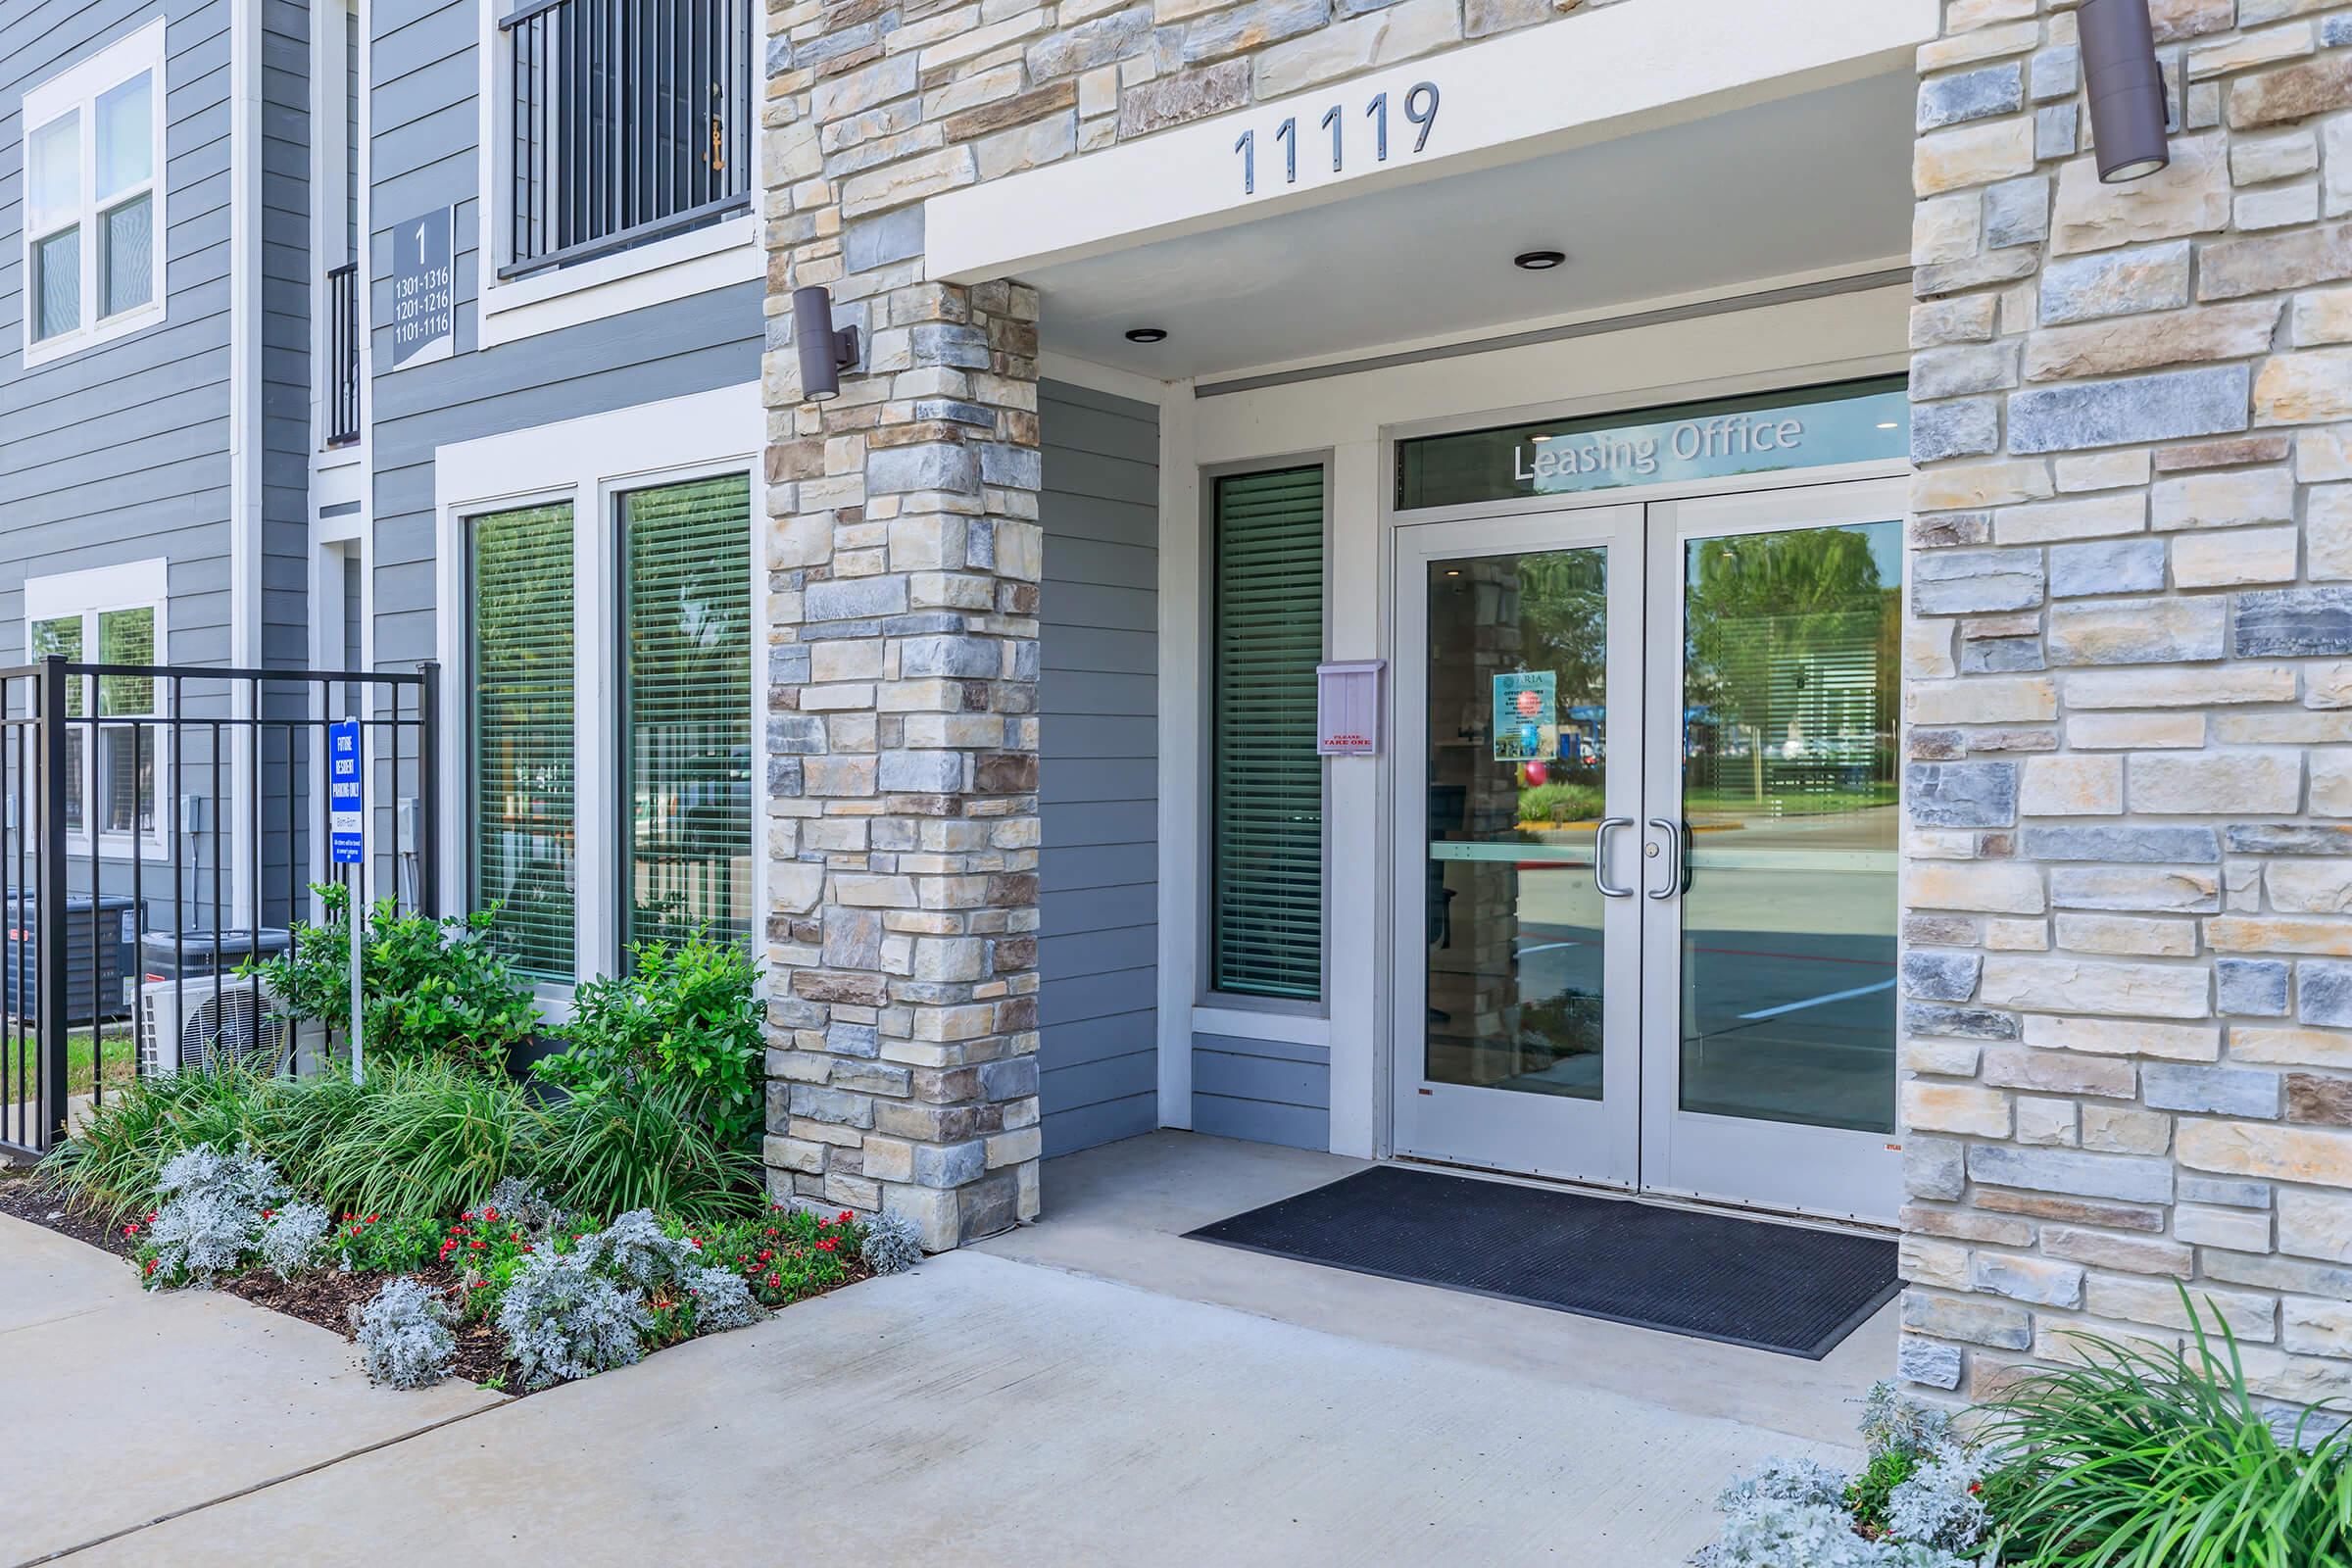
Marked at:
<point>424,288</point>
<point>1391,126</point>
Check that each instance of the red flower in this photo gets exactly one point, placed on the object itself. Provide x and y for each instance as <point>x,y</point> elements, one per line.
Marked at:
<point>130,1230</point>
<point>846,1217</point>
<point>828,1245</point>
<point>371,1219</point>
<point>479,1285</point>
<point>469,1214</point>
<point>489,1213</point>
<point>475,1244</point>
<point>269,1213</point>
<point>766,1253</point>
<point>772,1279</point>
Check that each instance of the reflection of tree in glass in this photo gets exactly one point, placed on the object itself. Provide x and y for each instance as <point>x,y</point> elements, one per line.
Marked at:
<point>1563,615</point>
<point>1785,633</point>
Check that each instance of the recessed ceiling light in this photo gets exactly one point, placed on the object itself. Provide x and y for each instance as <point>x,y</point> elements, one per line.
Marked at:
<point>1538,261</point>
<point>1146,334</point>
<point>1887,424</point>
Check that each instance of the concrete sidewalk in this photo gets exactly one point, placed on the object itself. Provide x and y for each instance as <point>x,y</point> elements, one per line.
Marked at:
<point>126,1406</point>
<point>999,1408</point>
<point>990,1412</point>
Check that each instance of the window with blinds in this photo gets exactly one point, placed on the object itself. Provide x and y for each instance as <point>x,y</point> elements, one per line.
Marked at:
<point>1266,780</point>
<point>61,638</point>
<point>687,717</point>
<point>522,811</point>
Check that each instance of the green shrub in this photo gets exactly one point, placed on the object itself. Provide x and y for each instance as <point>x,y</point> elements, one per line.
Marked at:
<point>2149,1458</point>
<point>367,1242</point>
<point>685,1016</point>
<point>645,1145</point>
<point>115,1157</point>
<point>1866,1495</point>
<point>429,986</point>
<point>786,1254</point>
<point>425,1136</point>
<point>1559,802</point>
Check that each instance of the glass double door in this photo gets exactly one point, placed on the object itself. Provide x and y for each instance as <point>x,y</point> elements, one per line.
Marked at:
<point>1647,834</point>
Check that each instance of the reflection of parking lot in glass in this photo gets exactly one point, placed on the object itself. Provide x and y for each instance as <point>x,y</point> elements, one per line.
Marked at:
<point>1788,969</point>
<point>1514,947</point>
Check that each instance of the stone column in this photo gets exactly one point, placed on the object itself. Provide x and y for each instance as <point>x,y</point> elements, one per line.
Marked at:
<point>900,820</point>
<point>2128,1015</point>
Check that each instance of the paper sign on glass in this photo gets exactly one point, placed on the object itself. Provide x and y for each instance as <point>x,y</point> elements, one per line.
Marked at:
<point>1527,718</point>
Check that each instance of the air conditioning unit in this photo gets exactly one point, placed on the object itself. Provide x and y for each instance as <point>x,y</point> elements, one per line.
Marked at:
<point>189,1024</point>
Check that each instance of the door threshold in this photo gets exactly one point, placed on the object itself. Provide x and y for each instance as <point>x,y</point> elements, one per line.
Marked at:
<point>1690,1203</point>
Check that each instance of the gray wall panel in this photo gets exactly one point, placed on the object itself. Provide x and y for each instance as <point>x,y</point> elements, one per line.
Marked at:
<point>1262,1090</point>
<point>1098,952</point>
<point>119,452</point>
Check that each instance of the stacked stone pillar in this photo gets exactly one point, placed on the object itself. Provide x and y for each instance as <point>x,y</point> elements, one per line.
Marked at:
<point>2128,882</point>
<point>902,552</point>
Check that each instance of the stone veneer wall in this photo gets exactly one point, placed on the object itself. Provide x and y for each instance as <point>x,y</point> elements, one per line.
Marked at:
<point>903,551</point>
<point>2127,1005</point>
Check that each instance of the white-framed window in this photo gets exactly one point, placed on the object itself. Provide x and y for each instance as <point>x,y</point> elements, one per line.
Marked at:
<point>636,192</point>
<point>93,233</point>
<point>601,620</point>
<point>109,615</point>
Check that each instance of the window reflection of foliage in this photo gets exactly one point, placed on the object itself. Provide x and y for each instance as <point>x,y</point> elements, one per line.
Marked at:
<point>1780,600</point>
<point>1564,618</point>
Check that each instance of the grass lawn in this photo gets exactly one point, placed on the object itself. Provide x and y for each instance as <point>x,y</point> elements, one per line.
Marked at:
<point>117,1047</point>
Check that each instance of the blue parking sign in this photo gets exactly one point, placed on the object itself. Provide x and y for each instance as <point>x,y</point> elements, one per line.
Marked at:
<point>346,791</point>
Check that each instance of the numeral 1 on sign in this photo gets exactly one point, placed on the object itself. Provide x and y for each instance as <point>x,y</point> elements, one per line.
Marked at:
<point>1288,135</point>
<point>1247,146</point>
<point>1331,122</point>
<point>1377,110</point>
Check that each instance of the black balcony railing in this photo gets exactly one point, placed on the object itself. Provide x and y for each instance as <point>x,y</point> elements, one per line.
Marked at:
<point>630,120</point>
<point>343,355</point>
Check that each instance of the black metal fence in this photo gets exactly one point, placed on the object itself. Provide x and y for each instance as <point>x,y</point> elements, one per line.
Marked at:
<point>343,355</point>
<point>164,825</point>
<point>630,120</point>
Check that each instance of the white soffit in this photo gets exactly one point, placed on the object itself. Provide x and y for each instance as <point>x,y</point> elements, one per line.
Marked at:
<point>1565,83</point>
<point>1799,189</point>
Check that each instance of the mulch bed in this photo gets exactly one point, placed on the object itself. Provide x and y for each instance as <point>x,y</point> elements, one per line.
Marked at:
<point>21,1198</point>
<point>325,1296</point>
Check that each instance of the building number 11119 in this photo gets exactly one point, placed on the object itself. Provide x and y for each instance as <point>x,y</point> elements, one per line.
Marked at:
<point>1420,110</point>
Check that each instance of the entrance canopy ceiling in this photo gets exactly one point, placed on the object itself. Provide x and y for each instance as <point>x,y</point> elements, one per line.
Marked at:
<point>1810,185</point>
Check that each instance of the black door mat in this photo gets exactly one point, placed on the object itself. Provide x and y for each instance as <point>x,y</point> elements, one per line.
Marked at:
<point>1770,1286</point>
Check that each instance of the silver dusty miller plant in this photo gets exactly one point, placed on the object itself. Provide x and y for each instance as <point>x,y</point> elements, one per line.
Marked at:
<point>1793,1513</point>
<point>525,1207</point>
<point>290,1238</point>
<point>210,1216</point>
<point>892,1243</point>
<point>563,1319</point>
<point>403,1336</point>
<point>636,1248</point>
<point>722,1299</point>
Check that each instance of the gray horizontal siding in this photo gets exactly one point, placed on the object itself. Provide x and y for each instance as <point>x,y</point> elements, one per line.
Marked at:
<point>120,453</point>
<point>423,129</point>
<point>1099,873</point>
<point>1267,1091</point>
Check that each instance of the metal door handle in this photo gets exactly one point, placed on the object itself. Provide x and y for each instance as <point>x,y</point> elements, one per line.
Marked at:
<point>1673,857</point>
<point>1601,856</point>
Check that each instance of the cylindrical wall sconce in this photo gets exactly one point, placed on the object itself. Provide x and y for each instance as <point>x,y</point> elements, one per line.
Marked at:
<point>824,353</point>
<point>2126,89</point>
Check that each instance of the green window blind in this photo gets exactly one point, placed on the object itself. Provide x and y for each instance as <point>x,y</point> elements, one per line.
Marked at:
<point>1267,781</point>
<point>126,760</point>
<point>688,717</point>
<point>62,637</point>
<point>523,820</point>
